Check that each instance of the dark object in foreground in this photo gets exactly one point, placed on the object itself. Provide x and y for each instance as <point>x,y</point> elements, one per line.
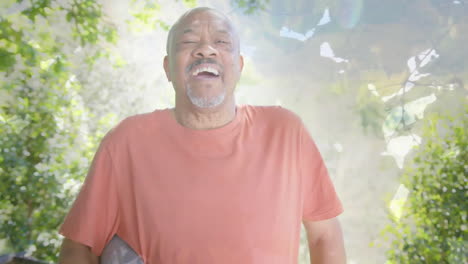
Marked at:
<point>18,259</point>
<point>118,251</point>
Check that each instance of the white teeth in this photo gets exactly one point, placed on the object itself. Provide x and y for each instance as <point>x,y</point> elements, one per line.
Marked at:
<point>206,69</point>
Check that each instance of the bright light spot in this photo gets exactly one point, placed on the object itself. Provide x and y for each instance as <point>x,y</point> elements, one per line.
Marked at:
<point>426,56</point>
<point>70,81</point>
<point>60,122</point>
<point>399,147</point>
<point>325,18</point>
<point>72,185</point>
<point>41,167</point>
<point>414,63</point>
<point>422,59</point>
<point>408,86</point>
<point>278,102</point>
<point>413,110</point>
<point>34,44</point>
<point>373,89</point>
<point>398,201</point>
<point>449,87</point>
<point>411,64</point>
<point>418,106</point>
<point>289,33</point>
<point>78,49</point>
<point>338,147</point>
<point>415,76</point>
<point>45,64</point>
<point>30,250</point>
<point>327,52</point>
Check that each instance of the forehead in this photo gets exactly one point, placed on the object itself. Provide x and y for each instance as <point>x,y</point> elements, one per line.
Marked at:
<point>199,20</point>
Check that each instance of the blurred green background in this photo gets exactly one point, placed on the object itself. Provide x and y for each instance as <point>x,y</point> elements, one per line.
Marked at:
<point>381,85</point>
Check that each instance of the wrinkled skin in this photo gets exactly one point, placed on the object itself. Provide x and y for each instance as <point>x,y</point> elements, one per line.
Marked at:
<point>202,39</point>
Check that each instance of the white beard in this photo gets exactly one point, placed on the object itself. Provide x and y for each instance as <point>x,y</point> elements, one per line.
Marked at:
<point>205,102</point>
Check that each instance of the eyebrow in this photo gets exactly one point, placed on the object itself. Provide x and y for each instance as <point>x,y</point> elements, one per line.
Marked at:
<point>187,30</point>
<point>190,30</point>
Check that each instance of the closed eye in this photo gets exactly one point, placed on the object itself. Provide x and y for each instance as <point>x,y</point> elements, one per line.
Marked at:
<point>222,42</point>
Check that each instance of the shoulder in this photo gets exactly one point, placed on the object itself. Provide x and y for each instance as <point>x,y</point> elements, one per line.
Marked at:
<point>134,127</point>
<point>139,121</point>
<point>272,115</point>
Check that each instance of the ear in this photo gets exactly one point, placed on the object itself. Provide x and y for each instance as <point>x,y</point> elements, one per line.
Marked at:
<point>166,68</point>
<point>241,63</point>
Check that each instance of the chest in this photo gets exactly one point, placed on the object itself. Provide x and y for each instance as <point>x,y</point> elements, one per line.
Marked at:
<point>245,197</point>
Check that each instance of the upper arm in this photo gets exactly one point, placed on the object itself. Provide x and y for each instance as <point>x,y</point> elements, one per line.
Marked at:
<point>94,217</point>
<point>328,229</point>
<point>325,241</point>
<point>74,252</point>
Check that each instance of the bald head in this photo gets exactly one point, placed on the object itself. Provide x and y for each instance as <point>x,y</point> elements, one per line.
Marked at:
<point>181,22</point>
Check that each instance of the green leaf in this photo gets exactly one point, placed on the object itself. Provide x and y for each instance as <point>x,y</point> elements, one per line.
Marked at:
<point>7,60</point>
<point>190,3</point>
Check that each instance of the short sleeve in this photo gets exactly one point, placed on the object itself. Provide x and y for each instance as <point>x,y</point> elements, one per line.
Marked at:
<point>93,218</point>
<point>320,200</point>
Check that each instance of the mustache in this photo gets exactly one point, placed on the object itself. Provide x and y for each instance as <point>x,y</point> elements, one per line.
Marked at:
<point>202,61</point>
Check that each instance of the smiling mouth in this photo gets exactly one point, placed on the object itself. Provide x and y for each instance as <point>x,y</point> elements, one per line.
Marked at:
<point>206,72</point>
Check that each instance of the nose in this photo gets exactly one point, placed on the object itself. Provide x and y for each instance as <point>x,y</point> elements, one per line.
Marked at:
<point>205,50</point>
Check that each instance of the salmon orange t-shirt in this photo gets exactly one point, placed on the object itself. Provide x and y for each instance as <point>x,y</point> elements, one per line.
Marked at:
<point>235,194</point>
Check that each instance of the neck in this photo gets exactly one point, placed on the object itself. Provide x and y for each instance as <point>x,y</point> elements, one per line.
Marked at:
<point>200,119</point>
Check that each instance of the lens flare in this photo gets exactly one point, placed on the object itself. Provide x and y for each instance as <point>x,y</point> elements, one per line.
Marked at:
<point>349,13</point>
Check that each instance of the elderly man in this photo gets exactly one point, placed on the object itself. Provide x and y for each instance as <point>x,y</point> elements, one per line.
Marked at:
<point>207,181</point>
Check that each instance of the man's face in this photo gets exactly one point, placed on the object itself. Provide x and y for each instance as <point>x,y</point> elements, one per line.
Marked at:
<point>203,61</point>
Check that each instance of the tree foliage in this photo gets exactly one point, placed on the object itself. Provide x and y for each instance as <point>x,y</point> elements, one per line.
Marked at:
<point>43,150</point>
<point>251,6</point>
<point>433,227</point>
